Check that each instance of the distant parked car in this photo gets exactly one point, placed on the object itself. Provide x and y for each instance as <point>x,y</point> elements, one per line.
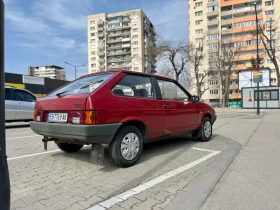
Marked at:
<point>19,104</point>
<point>124,109</point>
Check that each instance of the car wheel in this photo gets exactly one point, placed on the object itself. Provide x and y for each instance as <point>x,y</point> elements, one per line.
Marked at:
<point>68,147</point>
<point>205,130</point>
<point>127,146</point>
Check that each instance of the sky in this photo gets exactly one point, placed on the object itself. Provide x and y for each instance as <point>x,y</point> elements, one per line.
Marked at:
<point>51,32</point>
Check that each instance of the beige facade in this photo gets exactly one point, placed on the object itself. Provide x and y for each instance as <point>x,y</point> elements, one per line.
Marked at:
<point>53,72</point>
<point>229,20</point>
<point>120,41</point>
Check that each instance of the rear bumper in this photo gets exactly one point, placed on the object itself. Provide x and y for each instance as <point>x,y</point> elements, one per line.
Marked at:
<point>102,134</point>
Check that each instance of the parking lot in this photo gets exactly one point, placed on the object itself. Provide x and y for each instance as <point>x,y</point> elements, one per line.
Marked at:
<point>56,180</point>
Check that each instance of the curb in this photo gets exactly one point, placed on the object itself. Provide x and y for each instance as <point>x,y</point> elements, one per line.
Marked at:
<point>193,196</point>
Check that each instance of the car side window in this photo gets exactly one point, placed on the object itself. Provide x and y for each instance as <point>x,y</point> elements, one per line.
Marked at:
<point>171,91</point>
<point>8,94</point>
<point>134,86</point>
<point>24,96</point>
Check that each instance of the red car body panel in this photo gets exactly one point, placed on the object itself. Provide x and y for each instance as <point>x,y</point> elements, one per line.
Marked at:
<point>177,117</point>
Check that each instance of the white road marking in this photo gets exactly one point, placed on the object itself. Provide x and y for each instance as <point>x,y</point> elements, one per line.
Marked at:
<point>31,155</point>
<point>21,137</point>
<point>127,194</point>
<point>204,150</point>
<point>245,116</point>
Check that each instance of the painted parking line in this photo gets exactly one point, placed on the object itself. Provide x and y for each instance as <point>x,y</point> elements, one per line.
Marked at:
<point>31,155</point>
<point>127,194</point>
<point>21,137</point>
<point>251,115</point>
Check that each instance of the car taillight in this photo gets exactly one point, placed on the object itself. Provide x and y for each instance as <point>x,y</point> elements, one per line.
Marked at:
<point>82,117</point>
<point>38,116</point>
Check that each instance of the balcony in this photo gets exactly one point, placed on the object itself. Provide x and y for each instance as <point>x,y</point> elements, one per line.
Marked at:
<point>100,28</point>
<point>212,22</point>
<point>101,47</point>
<point>126,26</point>
<point>126,45</point>
<point>214,13</point>
<point>115,28</point>
<point>246,9</point>
<point>119,53</point>
<point>226,22</point>
<point>114,47</point>
<point>100,35</point>
<point>101,53</point>
<point>101,60</point>
<point>115,34</point>
<point>126,39</point>
<point>114,41</point>
<point>211,4</point>
<point>233,87</point>
<point>102,67</point>
<point>119,66</point>
<point>113,60</point>
<point>213,31</point>
<point>227,31</point>
<point>100,22</point>
<point>226,13</point>
<point>125,20</point>
<point>212,41</point>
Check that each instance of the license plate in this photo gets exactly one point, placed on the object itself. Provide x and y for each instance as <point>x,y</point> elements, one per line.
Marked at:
<point>58,117</point>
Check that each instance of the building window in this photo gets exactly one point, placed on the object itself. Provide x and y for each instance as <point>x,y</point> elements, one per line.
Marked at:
<point>199,4</point>
<point>92,34</point>
<point>247,23</point>
<point>92,40</point>
<point>136,68</point>
<point>135,30</point>
<point>135,37</point>
<point>212,55</point>
<point>93,52</point>
<point>273,71</point>
<point>200,31</point>
<point>209,1</point>
<point>92,28</point>
<point>213,64</point>
<point>93,59</point>
<point>269,12</point>
<point>269,61</point>
<point>213,36</point>
<point>269,3</point>
<point>213,82</point>
<point>211,28</point>
<point>198,13</point>
<point>273,80</point>
<point>212,8</point>
<point>135,49</point>
<point>92,22</point>
<point>213,46</point>
<point>199,40</point>
<point>93,65</point>
<point>198,22</point>
<point>135,42</point>
<point>135,55</point>
<point>214,92</point>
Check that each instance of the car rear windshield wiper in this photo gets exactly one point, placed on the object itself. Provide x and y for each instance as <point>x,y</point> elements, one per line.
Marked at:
<point>91,83</point>
<point>58,94</point>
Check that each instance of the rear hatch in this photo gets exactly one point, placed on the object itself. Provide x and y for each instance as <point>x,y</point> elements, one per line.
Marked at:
<point>68,104</point>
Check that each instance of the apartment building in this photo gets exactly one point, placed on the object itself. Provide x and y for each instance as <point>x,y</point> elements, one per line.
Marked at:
<point>53,72</point>
<point>230,20</point>
<point>121,41</point>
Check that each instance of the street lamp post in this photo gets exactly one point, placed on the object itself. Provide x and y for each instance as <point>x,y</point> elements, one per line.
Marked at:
<point>258,67</point>
<point>4,172</point>
<point>75,68</point>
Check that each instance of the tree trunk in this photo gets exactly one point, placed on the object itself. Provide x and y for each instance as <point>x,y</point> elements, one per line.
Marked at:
<point>277,73</point>
<point>177,77</point>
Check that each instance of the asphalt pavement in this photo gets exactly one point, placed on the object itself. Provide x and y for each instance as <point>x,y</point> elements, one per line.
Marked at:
<point>166,177</point>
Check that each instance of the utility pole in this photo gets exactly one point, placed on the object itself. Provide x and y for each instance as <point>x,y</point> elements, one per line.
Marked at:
<point>258,66</point>
<point>75,68</point>
<point>4,172</point>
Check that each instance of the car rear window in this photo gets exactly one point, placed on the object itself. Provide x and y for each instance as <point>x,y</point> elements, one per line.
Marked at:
<point>84,85</point>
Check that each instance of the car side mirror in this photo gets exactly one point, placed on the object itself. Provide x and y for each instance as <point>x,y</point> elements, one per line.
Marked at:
<point>195,98</point>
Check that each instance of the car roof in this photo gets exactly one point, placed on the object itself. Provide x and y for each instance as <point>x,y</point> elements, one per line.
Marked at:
<point>129,72</point>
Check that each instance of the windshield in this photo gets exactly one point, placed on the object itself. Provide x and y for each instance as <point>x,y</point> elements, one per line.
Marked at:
<point>84,85</point>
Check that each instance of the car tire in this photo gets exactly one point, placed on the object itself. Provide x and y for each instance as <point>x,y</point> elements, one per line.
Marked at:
<point>205,132</point>
<point>69,147</point>
<point>127,146</point>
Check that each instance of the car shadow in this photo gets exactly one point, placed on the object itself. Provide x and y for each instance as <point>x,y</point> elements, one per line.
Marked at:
<point>11,125</point>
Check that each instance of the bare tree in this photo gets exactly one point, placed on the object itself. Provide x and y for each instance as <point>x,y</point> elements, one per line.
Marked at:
<point>152,53</point>
<point>199,74</point>
<point>270,37</point>
<point>224,65</point>
<point>173,55</point>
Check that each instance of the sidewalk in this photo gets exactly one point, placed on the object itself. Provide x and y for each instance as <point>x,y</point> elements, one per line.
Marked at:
<point>252,181</point>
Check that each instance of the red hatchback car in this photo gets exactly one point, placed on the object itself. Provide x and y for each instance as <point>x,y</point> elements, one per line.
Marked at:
<point>124,109</point>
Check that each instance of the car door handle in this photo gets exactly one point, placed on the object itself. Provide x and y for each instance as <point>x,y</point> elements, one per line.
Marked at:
<point>167,106</point>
